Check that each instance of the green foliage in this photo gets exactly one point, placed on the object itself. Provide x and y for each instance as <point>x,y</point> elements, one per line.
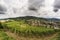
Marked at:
<point>58,36</point>
<point>1,27</point>
<point>21,28</point>
<point>4,36</point>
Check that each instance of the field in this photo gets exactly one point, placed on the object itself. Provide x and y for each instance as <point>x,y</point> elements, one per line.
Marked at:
<point>19,30</point>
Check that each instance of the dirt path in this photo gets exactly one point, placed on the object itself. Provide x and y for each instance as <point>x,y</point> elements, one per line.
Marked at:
<point>54,36</point>
<point>12,35</point>
<point>20,37</point>
<point>27,38</point>
<point>51,37</point>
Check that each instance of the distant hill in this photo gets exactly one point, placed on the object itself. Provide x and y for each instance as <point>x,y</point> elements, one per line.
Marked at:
<point>32,17</point>
<point>37,21</point>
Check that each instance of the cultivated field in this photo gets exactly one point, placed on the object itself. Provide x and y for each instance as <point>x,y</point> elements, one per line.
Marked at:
<point>19,30</point>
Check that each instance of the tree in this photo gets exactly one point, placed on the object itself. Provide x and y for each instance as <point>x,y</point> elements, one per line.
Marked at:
<point>1,27</point>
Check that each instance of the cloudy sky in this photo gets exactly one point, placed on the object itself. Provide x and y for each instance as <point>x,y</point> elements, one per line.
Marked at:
<point>18,8</point>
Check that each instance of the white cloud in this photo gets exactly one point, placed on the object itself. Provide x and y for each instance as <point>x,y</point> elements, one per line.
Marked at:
<point>20,7</point>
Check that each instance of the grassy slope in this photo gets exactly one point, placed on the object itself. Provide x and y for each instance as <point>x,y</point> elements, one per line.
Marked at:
<point>4,36</point>
<point>20,27</point>
<point>25,29</point>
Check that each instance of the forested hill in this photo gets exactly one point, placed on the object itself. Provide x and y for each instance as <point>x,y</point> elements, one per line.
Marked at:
<point>36,21</point>
<point>37,18</point>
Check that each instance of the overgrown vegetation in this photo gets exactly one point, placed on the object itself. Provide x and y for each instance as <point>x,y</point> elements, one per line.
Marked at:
<point>58,36</point>
<point>29,27</point>
<point>21,28</point>
<point>4,36</point>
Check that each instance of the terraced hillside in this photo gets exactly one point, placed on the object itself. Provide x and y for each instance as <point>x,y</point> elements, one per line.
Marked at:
<point>23,29</point>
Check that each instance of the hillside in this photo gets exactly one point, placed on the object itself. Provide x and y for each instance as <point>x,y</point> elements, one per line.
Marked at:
<point>30,28</point>
<point>36,21</point>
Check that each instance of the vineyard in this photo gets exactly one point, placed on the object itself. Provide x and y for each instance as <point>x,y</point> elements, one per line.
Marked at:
<point>25,31</point>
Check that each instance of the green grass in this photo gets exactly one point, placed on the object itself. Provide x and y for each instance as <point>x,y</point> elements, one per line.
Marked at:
<point>4,36</point>
<point>58,36</point>
<point>24,29</point>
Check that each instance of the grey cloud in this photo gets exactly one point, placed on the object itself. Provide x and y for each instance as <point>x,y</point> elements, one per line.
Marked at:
<point>56,5</point>
<point>18,8</point>
<point>35,4</point>
<point>2,9</point>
